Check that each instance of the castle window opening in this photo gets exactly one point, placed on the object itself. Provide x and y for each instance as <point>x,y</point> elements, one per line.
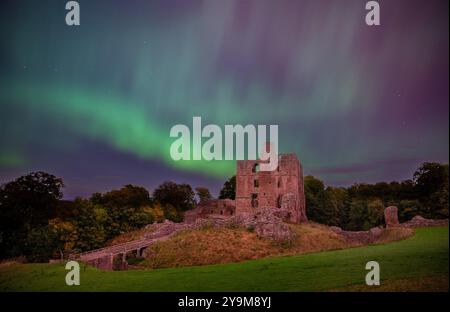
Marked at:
<point>254,200</point>
<point>279,201</point>
<point>255,168</point>
<point>255,183</point>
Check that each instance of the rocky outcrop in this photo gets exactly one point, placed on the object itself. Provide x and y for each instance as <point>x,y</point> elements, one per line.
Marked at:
<point>391,216</point>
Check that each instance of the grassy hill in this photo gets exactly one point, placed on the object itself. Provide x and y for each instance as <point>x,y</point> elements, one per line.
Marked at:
<point>423,257</point>
<point>215,245</point>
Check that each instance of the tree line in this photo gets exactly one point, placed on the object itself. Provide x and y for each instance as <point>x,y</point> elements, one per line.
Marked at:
<point>36,223</point>
<point>361,206</point>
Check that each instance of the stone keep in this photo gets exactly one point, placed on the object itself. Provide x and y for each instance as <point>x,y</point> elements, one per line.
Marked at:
<point>281,188</point>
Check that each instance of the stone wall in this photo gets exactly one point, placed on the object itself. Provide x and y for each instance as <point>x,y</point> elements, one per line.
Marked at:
<point>419,221</point>
<point>360,237</point>
<point>222,207</point>
<point>391,220</point>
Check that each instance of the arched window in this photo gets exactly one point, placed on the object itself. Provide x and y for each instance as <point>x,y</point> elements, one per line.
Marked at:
<point>255,168</point>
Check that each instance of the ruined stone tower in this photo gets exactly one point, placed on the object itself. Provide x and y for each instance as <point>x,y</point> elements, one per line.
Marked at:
<point>281,188</point>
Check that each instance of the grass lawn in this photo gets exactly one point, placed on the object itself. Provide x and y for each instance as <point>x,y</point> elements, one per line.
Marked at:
<point>425,255</point>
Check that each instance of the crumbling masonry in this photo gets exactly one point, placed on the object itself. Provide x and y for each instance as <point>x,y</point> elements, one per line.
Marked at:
<point>256,190</point>
<point>281,188</point>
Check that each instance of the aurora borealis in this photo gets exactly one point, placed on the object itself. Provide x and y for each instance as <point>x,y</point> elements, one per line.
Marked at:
<point>94,104</point>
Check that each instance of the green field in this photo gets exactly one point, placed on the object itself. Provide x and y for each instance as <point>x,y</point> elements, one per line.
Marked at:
<point>423,255</point>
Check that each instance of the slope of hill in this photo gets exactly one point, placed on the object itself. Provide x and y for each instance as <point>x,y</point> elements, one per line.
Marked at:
<point>212,245</point>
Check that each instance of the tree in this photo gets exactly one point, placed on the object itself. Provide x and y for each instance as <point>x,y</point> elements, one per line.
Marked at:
<point>124,209</point>
<point>90,221</point>
<point>127,196</point>
<point>375,213</point>
<point>431,181</point>
<point>141,218</point>
<point>170,213</point>
<point>408,209</point>
<point>337,198</point>
<point>26,203</point>
<point>357,215</point>
<point>203,194</point>
<point>430,178</point>
<point>180,196</point>
<point>229,189</point>
<point>317,201</point>
<point>365,214</point>
<point>40,244</point>
<point>66,235</point>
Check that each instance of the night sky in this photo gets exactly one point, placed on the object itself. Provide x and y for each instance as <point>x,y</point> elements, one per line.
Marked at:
<point>94,104</point>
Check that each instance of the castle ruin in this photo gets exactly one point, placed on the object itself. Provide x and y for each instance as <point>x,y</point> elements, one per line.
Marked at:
<point>281,188</point>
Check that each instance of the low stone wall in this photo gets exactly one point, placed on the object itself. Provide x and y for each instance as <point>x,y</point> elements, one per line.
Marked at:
<point>371,236</point>
<point>363,237</point>
<point>419,221</point>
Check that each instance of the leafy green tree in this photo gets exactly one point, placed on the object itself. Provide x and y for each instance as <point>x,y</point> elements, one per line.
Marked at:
<point>40,244</point>
<point>431,180</point>
<point>90,221</point>
<point>439,201</point>
<point>170,213</point>
<point>318,202</point>
<point>180,196</point>
<point>408,209</point>
<point>337,201</point>
<point>375,213</point>
<point>127,196</point>
<point>203,194</point>
<point>365,214</point>
<point>26,203</point>
<point>357,215</point>
<point>229,189</point>
<point>141,218</point>
<point>124,209</point>
<point>66,235</point>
